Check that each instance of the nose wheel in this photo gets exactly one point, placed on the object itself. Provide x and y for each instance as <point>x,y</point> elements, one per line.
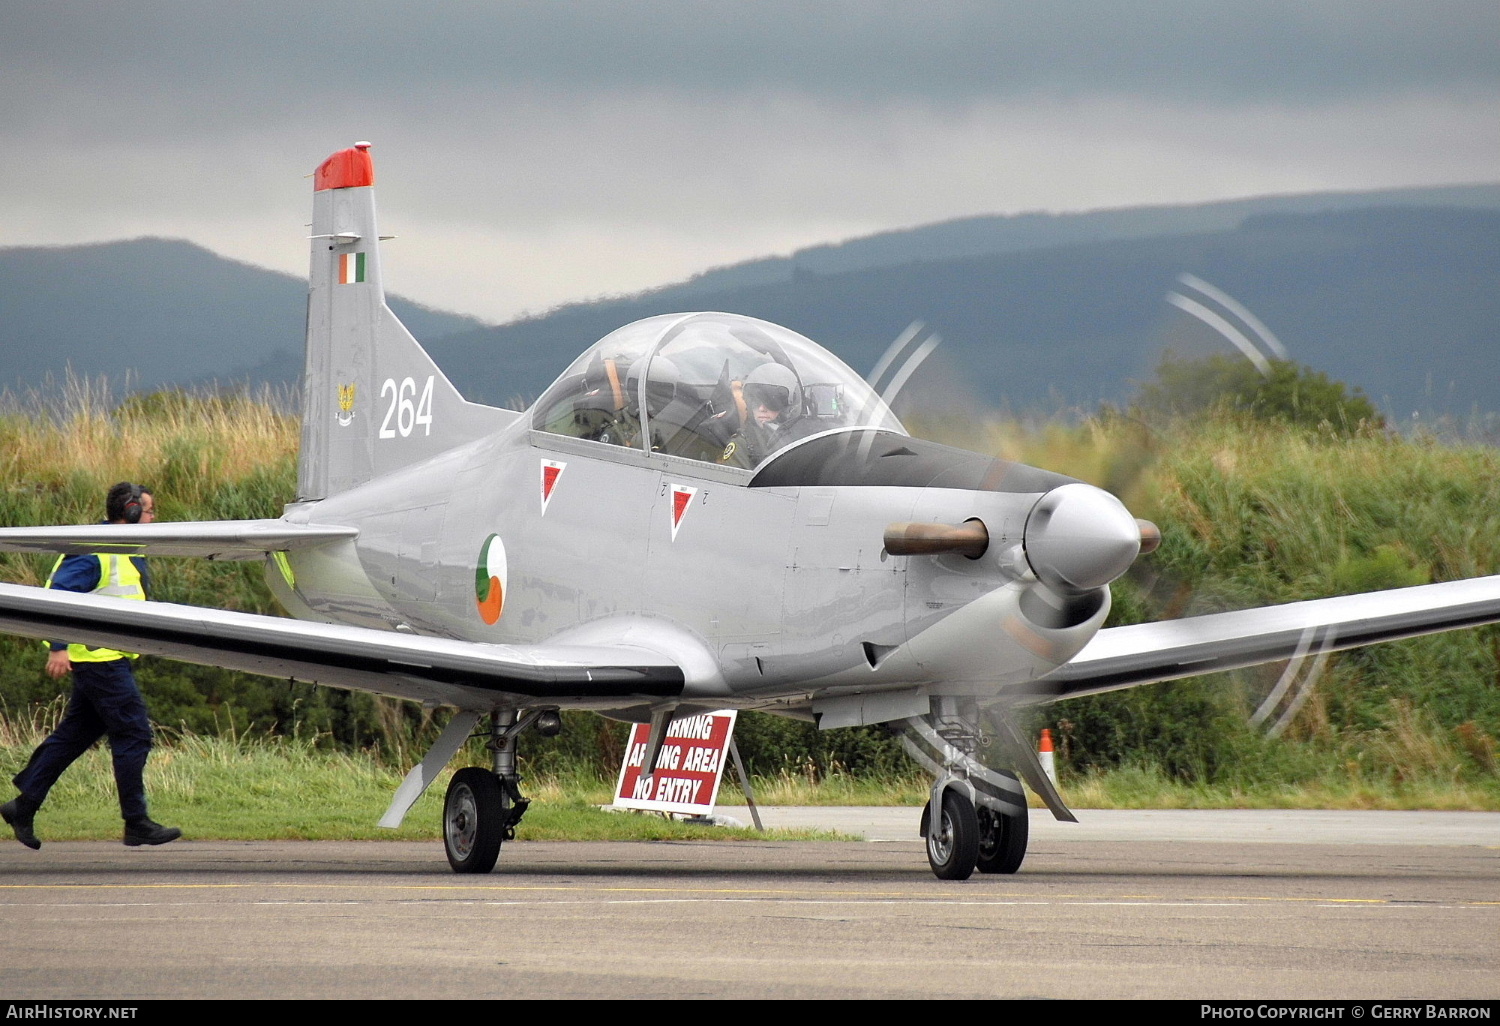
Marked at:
<point>953,841</point>
<point>1002,841</point>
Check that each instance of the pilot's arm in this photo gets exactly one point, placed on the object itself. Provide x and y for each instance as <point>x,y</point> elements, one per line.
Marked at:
<point>725,428</point>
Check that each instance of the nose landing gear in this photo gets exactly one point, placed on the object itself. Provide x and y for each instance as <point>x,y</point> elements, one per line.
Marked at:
<point>977,816</point>
<point>1002,840</point>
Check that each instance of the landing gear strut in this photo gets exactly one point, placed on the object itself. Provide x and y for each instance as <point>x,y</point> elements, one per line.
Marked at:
<point>977,817</point>
<point>483,807</point>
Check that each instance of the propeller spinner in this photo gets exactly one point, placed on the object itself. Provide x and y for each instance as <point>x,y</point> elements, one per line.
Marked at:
<point>1079,538</point>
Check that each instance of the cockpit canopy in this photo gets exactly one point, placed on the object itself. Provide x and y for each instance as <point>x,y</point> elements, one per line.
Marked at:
<point>714,387</point>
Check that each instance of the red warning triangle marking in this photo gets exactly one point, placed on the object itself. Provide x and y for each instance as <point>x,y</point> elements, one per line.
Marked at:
<point>682,496</point>
<point>551,471</point>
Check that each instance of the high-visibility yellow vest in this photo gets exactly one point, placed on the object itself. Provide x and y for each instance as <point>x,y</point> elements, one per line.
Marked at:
<point>118,578</point>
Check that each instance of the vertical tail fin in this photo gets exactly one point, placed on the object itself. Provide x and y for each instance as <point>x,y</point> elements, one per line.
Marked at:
<point>372,399</point>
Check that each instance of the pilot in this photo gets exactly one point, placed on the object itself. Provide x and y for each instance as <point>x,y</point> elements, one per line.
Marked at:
<point>620,423</point>
<point>771,418</point>
<point>599,409</point>
<point>105,699</point>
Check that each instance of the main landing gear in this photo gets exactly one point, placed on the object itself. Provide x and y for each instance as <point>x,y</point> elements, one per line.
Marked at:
<point>483,807</point>
<point>976,817</point>
<point>476,820</point>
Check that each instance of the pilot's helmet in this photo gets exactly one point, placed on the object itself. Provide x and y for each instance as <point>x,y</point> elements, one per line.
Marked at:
<point>661,381</point>
<point>775,386</point>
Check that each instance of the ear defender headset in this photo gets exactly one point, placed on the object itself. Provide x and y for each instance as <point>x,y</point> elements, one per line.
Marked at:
<point>133,505</point>
<point>132,508</point>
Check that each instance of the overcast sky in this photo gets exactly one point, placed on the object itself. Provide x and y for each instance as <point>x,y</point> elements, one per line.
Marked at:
<point>529,153</point>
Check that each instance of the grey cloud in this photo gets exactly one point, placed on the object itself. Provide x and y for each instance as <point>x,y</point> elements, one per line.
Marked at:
<point>712,131</point>
<point>246,59</point>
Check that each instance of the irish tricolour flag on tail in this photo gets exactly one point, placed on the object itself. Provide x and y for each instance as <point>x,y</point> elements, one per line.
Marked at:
<point>351,268</point>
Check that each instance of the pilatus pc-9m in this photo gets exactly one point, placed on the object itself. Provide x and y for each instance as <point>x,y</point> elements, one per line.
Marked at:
<point>704,511</point>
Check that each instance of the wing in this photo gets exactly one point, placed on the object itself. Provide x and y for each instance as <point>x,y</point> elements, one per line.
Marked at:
<point>214,539</point>
<point>465,674</point>
<point>1122,657</point>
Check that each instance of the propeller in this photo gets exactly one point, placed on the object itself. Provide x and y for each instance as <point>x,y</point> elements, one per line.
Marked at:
<point>1225,326</point>
<point>1258,344</point>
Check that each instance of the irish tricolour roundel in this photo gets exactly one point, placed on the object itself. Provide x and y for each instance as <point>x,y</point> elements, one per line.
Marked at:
<point>489,579</point>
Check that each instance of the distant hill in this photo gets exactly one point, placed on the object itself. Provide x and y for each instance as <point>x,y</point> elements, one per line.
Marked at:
<point>993,235</point>
<point>1392,291</point>
<point>1401,301</point>
<point>162,311</point>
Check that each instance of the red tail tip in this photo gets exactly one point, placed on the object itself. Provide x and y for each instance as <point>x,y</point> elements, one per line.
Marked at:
<point>346,169</point>
<point>1046,745</point>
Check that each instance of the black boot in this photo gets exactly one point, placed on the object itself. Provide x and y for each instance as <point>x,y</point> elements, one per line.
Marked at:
<point>19,813</point>
<point>144,830</point>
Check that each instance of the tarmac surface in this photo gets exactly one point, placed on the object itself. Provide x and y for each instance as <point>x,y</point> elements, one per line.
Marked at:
<point>883,823</point>
<point>1200,905</point>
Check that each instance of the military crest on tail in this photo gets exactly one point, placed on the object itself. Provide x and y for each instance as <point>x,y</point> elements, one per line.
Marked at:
<point>346,404</point>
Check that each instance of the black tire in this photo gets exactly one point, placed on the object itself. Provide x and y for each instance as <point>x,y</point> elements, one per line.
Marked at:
<point>473,820</point>
<point>1002,841</point>
<point>953,841</point>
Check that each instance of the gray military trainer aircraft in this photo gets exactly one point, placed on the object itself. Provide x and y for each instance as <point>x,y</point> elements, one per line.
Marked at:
<point>704,511</point>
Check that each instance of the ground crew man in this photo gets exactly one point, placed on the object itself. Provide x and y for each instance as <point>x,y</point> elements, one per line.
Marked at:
<point>105,699</point>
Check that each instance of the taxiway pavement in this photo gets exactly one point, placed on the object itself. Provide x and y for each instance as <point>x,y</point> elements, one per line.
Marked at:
<point>1177,905</point>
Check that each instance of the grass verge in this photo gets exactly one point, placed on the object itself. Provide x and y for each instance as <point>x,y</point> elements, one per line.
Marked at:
<point>278,788</point>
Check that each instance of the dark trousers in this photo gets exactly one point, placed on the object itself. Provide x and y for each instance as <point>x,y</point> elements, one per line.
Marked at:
<point>105,701</point>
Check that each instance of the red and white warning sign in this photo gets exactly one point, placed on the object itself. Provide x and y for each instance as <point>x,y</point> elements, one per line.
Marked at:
<point>682,498</point>
<point>551,471</point>
<point>688,770</point>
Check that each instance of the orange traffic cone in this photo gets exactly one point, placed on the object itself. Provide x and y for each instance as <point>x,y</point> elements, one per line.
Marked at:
<point>1048,760</point>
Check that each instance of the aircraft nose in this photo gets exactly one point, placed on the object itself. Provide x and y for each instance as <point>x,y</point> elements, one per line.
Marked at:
<point>1079,538</point>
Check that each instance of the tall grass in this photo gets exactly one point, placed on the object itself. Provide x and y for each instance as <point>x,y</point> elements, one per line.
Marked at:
<point>205,457</point>
<point>1251,513</point>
